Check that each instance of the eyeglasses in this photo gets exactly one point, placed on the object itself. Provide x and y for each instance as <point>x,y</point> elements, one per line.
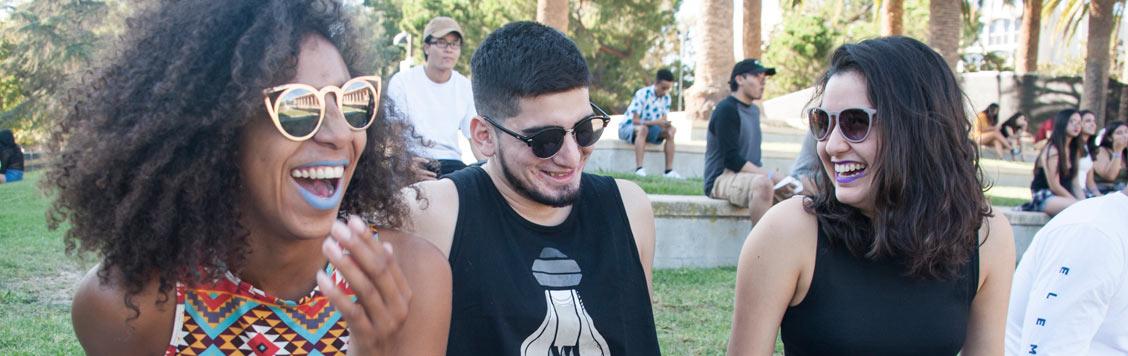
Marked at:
<point>854,123</point>
<point>446,45</point>
<point>548,141</point>
<point>299,109</point>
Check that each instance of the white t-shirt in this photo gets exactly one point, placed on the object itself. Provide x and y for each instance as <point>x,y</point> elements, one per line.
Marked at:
<point>1070,292</point>
<point>438,111</point>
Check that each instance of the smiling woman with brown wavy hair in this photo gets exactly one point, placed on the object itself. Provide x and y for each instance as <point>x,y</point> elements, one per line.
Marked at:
<point>207,163</point>
<point>886,259</point>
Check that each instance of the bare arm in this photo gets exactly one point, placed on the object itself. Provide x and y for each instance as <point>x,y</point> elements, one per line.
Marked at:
<point>428,274</point>
<point>1091,183</point>
<point>774,272</point>
<point>641,217</point>
<point>987,323</point>
<point>1107,166</point>
<point>104,325</point>
<point>1050,166</point>
<point>432,218</point>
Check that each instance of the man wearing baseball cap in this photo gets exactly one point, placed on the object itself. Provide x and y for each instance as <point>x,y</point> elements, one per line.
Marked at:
<point>437,100</point>
<point>734,170</point>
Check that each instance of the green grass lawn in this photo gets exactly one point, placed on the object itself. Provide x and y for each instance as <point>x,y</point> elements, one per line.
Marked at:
<point>693,307</point>
<point>36,277</point>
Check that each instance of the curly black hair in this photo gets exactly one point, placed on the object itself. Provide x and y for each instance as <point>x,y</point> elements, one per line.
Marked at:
<point>147,171</point>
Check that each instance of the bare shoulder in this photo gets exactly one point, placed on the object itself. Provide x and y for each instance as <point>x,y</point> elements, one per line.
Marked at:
<point>431,195</point>
<point>415,254</point>
<point>632,194</point>
<point>105,325</point>
<point>787,221</point>
<point>996,245</point>
<point>433,207</point>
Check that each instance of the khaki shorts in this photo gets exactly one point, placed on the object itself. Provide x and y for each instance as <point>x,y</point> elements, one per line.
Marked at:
<point>734,187</point>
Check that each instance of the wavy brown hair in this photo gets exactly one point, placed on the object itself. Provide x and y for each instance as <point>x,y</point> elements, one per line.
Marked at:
<point>147,172</point>
<point>929,186</point>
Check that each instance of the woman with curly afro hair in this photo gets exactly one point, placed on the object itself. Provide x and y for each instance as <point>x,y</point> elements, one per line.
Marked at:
<point>207,164</point>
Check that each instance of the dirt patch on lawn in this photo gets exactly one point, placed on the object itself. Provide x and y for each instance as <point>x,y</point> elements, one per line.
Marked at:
<point>52,289</point>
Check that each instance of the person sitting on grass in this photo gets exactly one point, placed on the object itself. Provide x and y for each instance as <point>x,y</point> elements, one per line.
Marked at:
<point>1110,166</point>
<point>899,251</point>
<point>1051,189</point>
<point>11,158</point>
<point>207,166</point>
<point>647,121</point>
<point>1012,130</point>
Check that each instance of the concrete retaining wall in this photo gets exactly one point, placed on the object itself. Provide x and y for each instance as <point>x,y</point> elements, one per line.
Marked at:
<point>695,231</point>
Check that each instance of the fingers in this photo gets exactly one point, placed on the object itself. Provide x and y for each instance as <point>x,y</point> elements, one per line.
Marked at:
<point>372,272</point>
<point>420,171</point>
<point>352,312</point>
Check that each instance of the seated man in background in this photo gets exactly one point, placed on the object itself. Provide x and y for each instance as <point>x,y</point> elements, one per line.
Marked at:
<point>734,170</point>
<point>436,100</point>
<point>647,122</point>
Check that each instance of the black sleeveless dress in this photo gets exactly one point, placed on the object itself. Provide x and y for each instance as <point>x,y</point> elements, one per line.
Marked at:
<point>520,288</point>
<point>856,306</point>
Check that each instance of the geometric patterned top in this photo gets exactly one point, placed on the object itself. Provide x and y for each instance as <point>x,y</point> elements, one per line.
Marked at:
<point>648,105</point>
<point>232,317</point>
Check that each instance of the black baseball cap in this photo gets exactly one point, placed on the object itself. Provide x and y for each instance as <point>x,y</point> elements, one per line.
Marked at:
<point>750,66</point>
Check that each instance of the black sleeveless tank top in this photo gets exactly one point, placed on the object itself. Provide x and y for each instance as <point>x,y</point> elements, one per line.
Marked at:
<point>856,306</point>
<point>1040,182</point>
<point>521,288</point>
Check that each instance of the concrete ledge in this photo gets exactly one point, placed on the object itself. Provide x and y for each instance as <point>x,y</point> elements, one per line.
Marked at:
<point>699,232</point>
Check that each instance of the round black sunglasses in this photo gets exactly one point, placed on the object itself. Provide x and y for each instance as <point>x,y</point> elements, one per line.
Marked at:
<point>546,142</point>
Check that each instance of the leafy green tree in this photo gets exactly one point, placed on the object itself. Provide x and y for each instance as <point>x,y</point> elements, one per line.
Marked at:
<point>799,50</point>
<point>45,44</point>
<point>615,36</point>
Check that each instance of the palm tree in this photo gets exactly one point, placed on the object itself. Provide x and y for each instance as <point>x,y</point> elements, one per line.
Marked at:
<point>1097,57</point>
<point>1101,21</point>
<point>1026,57</point>
<point>944,26</point>
<point>553,13</point>
<point>892,17</point>
<point>713,60</point>
<point>752,29</point>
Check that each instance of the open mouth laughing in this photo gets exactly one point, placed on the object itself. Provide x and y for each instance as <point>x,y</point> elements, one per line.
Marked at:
<point>848,171</point>
<point>319,183</point>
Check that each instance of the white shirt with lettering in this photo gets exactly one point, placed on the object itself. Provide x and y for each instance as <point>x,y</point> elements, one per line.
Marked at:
<point>1070,292</point>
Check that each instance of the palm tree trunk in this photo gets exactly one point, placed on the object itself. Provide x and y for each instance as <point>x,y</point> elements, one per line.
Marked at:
<point>553,13</point>
<point>892,17</point>
<point>1097,58</point>
<point>714,58</point>
<point>944,25</point>
<point>752,28</point>
<point>1122,112</point>
<point>1026,57</point>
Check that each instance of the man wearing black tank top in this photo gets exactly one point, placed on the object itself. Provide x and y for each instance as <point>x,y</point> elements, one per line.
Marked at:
<point>546,260</point>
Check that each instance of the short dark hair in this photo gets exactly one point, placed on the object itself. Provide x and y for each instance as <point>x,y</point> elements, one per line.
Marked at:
<point>523,60</point>
<point>664,75</point>
<point>926,175</point>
